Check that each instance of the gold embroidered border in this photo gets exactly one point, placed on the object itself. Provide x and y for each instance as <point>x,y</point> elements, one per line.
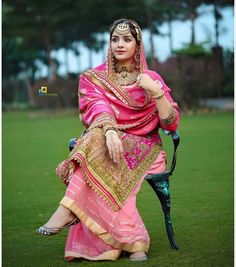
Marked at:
<point>104,119</point>
<point>108,255</point>
<point>107,87</point>
<point>113,184</point>
<point>170,119</point>
<point>126,99</point>
<point>100,232</point>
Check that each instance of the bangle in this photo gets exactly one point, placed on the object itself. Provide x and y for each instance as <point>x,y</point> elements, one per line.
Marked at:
<point>159,96</point>
<point>108,127</point>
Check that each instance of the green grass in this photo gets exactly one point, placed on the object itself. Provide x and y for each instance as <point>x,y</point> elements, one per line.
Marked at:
<point>201,193</point>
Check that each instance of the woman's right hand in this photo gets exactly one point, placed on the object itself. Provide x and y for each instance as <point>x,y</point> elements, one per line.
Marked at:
<point>114,146</point>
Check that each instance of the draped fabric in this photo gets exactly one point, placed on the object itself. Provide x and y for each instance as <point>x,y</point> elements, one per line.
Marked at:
<point>103,233</point>
<point>103,193</point>
<point>133,113</point>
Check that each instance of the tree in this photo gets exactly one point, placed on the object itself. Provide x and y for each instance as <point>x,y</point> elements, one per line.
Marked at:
<point>217,5</point>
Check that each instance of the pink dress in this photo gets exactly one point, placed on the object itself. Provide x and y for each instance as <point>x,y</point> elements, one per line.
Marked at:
<point>109,219</point>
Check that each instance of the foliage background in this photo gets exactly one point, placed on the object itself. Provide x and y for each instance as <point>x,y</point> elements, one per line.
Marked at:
<point>35,140</point>
<point>33,31</point>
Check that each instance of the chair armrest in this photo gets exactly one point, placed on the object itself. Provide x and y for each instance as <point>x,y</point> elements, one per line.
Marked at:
<point>176,140</point>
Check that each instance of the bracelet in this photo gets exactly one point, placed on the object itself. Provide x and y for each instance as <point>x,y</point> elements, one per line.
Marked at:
<point>108,127</point>
<point>159,96</point>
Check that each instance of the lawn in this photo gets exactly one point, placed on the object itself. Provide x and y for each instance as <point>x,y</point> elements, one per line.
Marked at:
<point>201,193</point>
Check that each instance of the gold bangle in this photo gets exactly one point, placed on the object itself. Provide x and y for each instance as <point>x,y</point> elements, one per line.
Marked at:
<point>159,96</point>
<point>108,127</point>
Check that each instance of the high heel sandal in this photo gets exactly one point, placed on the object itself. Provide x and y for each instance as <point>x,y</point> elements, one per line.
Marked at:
<point>44,230</point>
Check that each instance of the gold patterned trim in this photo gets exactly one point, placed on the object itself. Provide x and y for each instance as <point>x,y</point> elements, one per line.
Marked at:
<point>100,232</point>
<point>170,119</point>
<point>102,120</point>
<point>108,255</point>
<point>117,90</point>
<point>96,81</point>
<point>111,183</point>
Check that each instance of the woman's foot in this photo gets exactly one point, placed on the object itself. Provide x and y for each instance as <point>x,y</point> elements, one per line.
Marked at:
<point>61,218</point>
<point>138,256</point>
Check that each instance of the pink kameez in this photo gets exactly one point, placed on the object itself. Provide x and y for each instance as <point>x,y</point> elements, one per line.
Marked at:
<point>109,220</point>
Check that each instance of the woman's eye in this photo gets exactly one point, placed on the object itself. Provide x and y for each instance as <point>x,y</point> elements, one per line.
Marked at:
<point>127,40</point>
<point>114,40</point>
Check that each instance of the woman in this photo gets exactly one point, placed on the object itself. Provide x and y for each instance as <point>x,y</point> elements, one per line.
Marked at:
<point>122,105</point>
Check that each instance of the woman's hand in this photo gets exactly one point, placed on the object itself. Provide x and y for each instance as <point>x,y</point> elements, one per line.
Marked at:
<point>114,146</point>
<point>147,83</point>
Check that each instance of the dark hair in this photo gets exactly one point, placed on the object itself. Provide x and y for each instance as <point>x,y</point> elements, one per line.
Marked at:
<point>131,28</point>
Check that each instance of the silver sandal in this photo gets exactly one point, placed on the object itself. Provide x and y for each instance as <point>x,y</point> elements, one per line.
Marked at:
<point>44,230</point>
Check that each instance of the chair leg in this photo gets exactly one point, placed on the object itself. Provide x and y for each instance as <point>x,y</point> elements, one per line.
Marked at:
<point>161,189</point>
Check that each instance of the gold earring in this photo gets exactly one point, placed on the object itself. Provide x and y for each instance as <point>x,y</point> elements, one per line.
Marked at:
<point>137,59</point>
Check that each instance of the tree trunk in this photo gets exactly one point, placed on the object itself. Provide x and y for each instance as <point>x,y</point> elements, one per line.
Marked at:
<point>29,90</point>
<point>152,50</point>
<point>193,18</point>
<point>90,58</point>
<point>170,35</point>
<point>78,57</point>
<point>16,90</point>
<point>104,50</point>
<point>66,61</point>
<point>217,16</point>
<point>51,64</point>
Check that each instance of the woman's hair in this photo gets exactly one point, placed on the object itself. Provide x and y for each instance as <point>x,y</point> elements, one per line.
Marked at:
<point>132,28</point>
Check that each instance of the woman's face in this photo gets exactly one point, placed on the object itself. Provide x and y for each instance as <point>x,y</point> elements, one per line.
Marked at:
<point>123,47</point>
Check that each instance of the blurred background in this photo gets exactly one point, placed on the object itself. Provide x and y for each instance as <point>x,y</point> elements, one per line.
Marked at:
<point>48,44</point>
<point>45,46</point>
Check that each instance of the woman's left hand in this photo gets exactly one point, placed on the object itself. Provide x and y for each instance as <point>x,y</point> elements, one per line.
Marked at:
<point>147,83</point>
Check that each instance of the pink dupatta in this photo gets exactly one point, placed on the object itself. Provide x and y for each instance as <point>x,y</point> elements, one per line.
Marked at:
<point>130,110</point>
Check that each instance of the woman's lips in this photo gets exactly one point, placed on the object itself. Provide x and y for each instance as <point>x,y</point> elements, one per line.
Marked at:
<point>120,52</point>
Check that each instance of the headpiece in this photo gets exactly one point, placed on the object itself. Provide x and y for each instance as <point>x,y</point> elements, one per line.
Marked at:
<point>123,28</point>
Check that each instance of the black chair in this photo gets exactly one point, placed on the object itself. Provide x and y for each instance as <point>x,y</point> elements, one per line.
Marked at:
<point>160,184</point>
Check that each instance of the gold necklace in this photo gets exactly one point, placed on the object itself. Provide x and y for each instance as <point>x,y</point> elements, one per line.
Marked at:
<point>120,69</point>
<point>123,75</point>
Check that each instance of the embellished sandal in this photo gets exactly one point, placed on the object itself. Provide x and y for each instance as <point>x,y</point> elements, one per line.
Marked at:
<point>44,230</point>
<point>142,258</point>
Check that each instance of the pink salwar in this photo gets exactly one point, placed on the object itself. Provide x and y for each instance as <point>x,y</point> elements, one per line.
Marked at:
<point>103,233</point>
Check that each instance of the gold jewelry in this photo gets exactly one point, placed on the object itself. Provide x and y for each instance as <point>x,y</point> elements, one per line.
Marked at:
<point>120,69</point>
<point>107,128</point>
<point>125,75</point>
<point>123,28</point>
<point>159,96</point>
<point>137,29</point>
<point>139,78</point>
<point>125,78</point>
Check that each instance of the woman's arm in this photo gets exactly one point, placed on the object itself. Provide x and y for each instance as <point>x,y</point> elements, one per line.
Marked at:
<point>95,111</point>
<point>167,109</point>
